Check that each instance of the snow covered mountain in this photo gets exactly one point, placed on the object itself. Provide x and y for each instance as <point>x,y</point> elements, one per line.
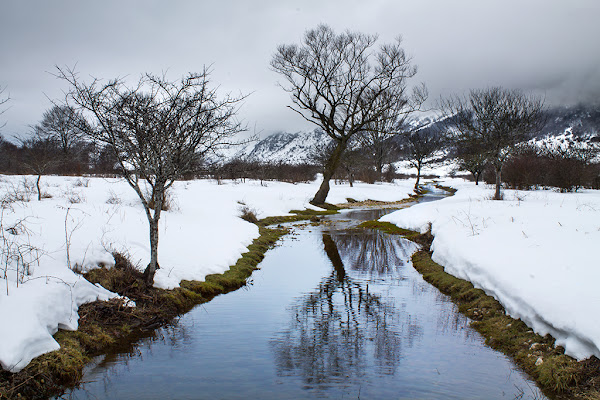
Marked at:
<point>578,123</point>
<point>291,148</point>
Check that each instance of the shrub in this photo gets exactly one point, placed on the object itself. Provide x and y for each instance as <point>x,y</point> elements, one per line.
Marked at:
<point>113,198</point>
<point>247,213</point>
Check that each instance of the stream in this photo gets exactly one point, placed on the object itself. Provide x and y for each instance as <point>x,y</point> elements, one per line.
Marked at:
<point>334,312</point>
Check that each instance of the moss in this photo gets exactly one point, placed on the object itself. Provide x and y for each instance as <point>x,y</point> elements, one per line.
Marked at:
<point>446,188</point>
<point>300,215</point>
<point>386,227</point>
<point>558,372</point>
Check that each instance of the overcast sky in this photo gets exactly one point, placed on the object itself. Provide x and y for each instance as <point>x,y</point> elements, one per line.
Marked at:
<point>550,46</point>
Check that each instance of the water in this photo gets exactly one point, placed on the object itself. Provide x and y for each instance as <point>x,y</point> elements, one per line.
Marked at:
<point>333,313</point>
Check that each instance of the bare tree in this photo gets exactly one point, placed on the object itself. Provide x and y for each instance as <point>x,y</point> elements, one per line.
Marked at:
<point>421,148</point>
<point>342,85</point>
<point>470,158</point>
<point>64,125</point>
<point>40,156</point>
<point>376,138</point>
<point>157,130</point>
<point>495,120</point>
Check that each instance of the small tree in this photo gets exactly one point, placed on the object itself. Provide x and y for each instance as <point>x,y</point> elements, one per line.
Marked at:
<point>41,156</point>
<point>421,148</point>
<point>65,126</point>
<point>377,138</point>
<point>339,83</point>
<point>156,130</point>
<point>470,158</point>
<point>495,120</point>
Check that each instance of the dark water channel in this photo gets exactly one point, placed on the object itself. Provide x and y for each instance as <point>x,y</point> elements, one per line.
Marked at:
<point>332,313</point>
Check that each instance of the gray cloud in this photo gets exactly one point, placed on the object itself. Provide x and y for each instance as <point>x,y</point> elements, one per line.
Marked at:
<point>549,46</point>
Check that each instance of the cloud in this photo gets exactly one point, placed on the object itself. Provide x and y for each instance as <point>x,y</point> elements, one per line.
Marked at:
<point>544,45</point>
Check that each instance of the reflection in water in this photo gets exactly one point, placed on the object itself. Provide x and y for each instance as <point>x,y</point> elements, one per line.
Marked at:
<point>373,252</point>
<point>336,329</point>
<point>358,323</point>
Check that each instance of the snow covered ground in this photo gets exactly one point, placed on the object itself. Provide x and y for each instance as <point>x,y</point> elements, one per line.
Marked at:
<point>536,252</point>
<point>87,218</point>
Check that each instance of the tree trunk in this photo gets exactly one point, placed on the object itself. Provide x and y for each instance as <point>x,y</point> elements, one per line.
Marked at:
<point>153,266</point>
<point>498,195</point>
<point>37,184</point>
<point>418,176</point>
<point>158,196</point>
<point>328,172</point>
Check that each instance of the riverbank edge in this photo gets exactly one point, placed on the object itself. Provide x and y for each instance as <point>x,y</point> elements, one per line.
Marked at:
<point>106,326</point>
<point>559,376</point>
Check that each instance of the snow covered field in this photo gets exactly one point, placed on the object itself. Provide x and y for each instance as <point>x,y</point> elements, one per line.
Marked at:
<point>536,252</point>
<point>87,218</point>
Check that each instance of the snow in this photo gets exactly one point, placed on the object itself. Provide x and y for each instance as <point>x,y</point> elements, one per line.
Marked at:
<point>85,219</point>
<point>535,252</point>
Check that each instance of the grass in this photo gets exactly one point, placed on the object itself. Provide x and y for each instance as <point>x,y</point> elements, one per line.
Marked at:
<point>104,326</point>
<point>300,215</point>
<point>558,375</point>
<point>446,188</point>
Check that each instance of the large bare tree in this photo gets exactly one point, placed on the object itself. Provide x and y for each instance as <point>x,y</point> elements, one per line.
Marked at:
<point>494,121</point>
<point>344,85</point>
<point>157,130</point>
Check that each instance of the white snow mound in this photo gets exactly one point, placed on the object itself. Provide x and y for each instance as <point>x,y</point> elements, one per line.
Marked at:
<point>535,252</point>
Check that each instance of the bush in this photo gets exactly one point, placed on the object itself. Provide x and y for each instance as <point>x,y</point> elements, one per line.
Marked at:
<point>248,214</point>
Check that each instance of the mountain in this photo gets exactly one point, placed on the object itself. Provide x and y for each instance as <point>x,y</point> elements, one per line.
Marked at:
<point>578,123</point>
<point>285,147</point>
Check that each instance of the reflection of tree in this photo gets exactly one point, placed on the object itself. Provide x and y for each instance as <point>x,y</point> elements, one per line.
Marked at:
<point>340,328</point>
<point>373,252</point>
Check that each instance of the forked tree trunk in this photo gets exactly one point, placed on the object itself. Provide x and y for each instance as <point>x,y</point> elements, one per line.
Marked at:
<point>328,172</point>
<point>418,176</point>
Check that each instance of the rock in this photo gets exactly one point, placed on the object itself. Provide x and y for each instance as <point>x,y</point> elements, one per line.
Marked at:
<point>539,361</point>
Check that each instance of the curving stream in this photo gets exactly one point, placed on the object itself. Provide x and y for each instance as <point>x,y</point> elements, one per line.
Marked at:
<point>332,313</point>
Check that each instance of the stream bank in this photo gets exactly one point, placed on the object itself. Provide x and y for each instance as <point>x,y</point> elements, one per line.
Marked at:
<point>558,375</point>
<point>333,312</point>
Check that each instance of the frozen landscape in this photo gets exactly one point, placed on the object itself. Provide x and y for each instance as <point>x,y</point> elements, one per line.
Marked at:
<point>84,220</point>
<point>534,251</point>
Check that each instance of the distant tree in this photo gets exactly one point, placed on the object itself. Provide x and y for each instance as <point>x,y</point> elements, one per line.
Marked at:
<point>495,120</point>
<point>156,130</point>
<point>470,158</point>
<point>8,156</point>
<point>40,156</point>
<point>376,139</point>
<point>65,126</point>
<point>421,147</point>
<point>339,83</point>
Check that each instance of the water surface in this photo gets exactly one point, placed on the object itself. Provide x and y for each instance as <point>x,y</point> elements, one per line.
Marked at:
<point>332,313</point>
